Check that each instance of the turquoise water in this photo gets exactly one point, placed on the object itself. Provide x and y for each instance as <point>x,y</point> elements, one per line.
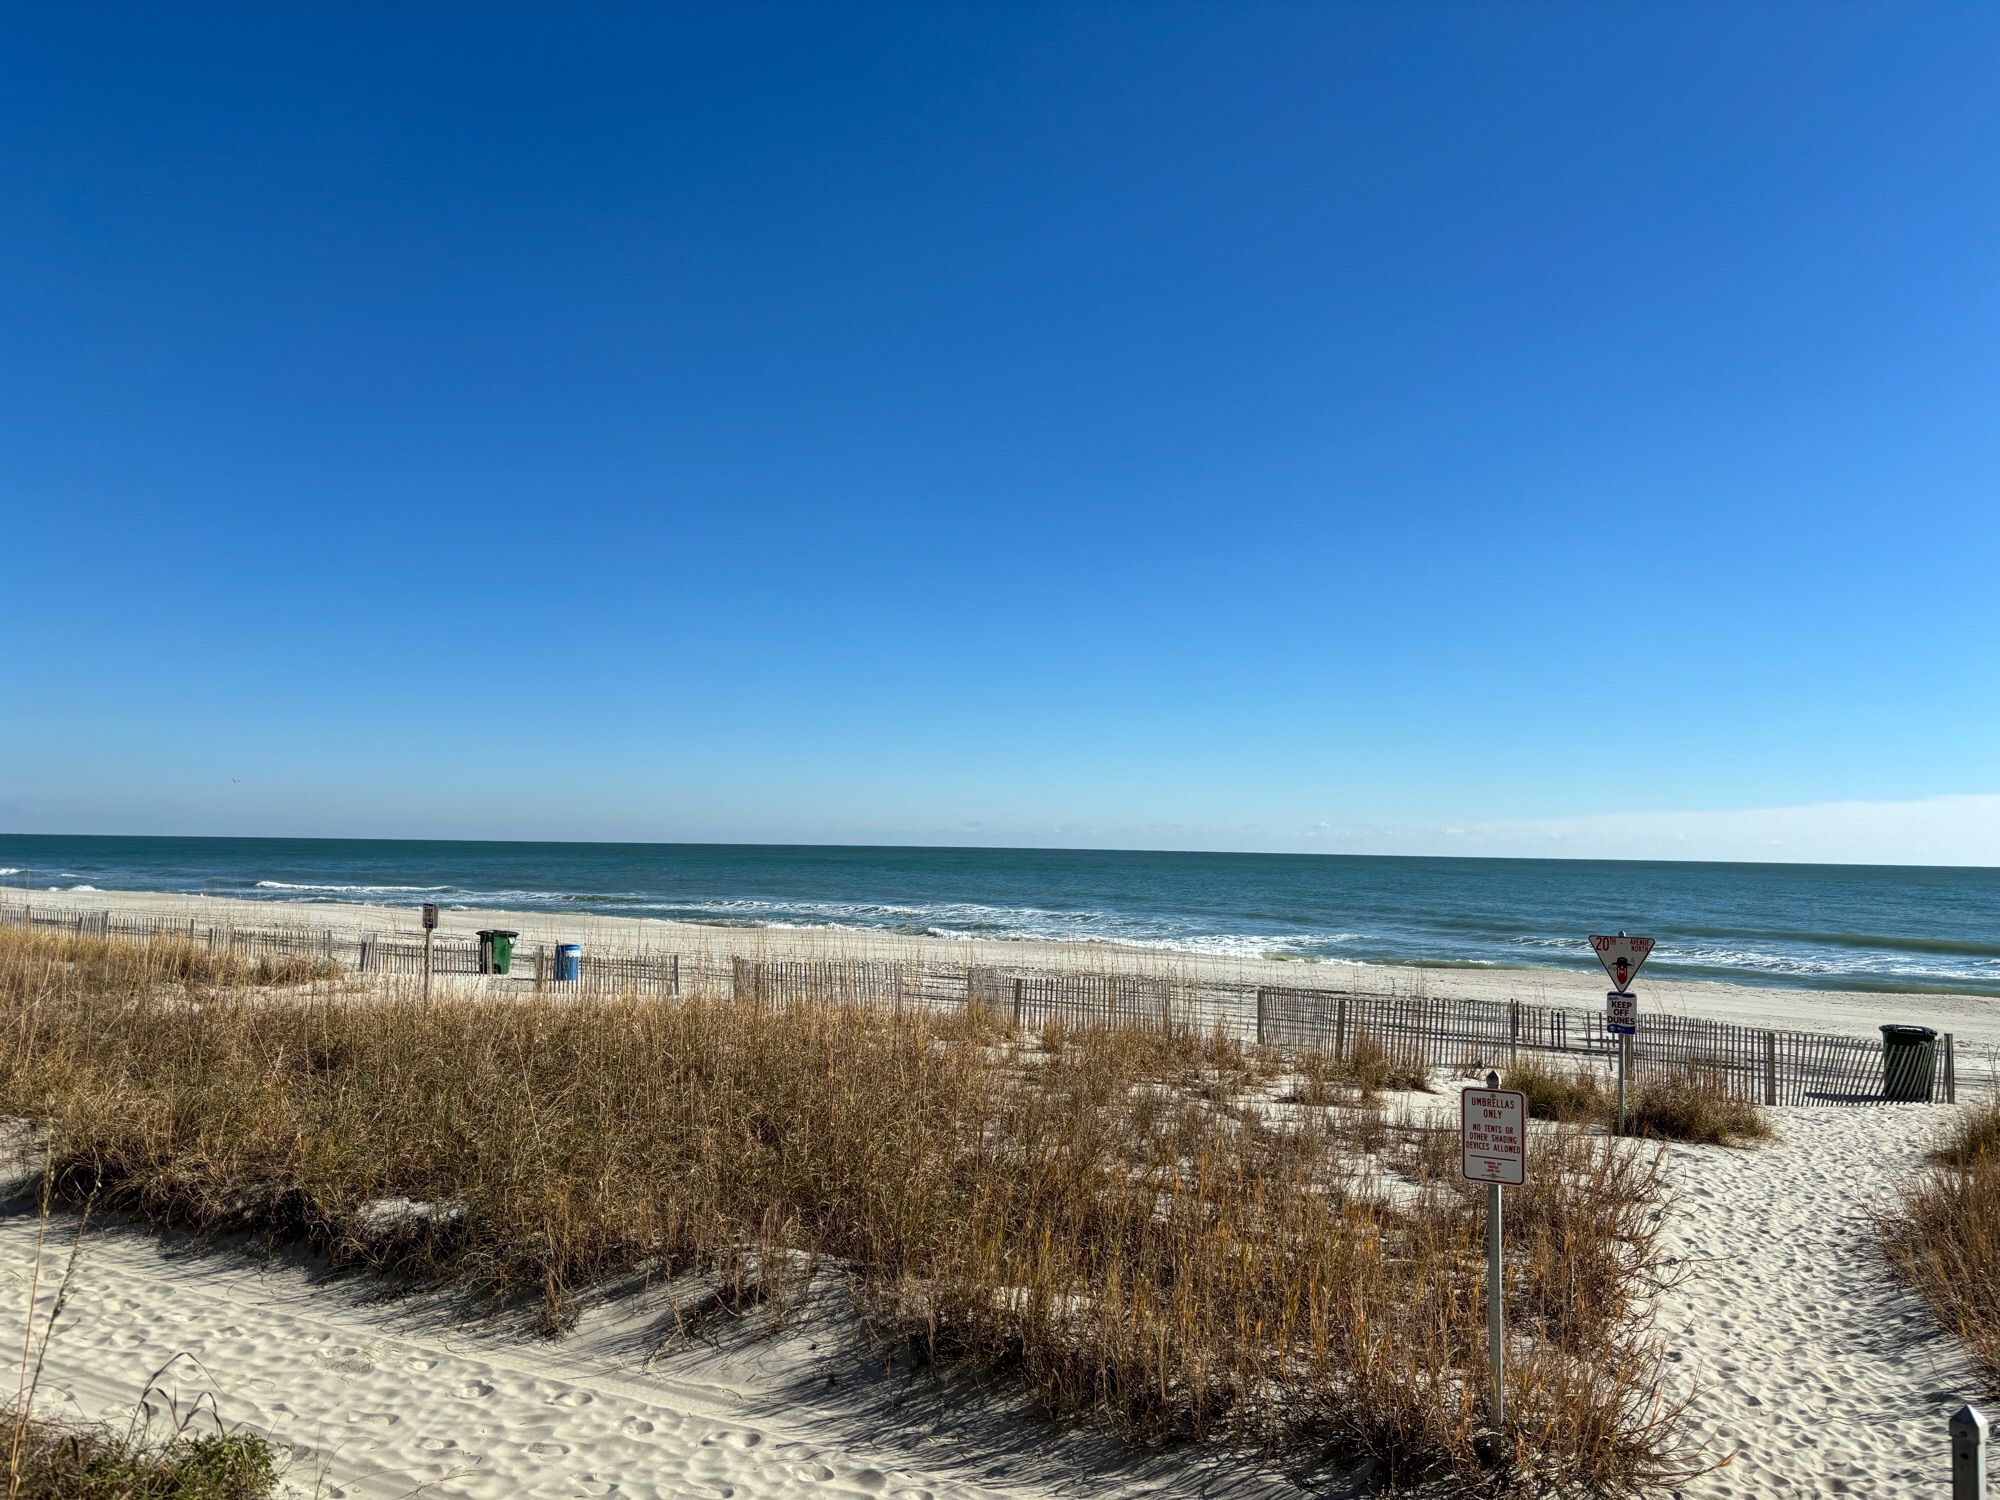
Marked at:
<point>1836,925</point>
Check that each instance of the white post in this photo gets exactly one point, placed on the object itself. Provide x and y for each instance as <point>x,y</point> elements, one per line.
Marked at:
<point>427,966</point>
<point>1496,1295</point>
<point>1968,1454</point>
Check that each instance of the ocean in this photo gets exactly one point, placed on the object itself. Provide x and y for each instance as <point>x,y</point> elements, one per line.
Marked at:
<point>1844,926</point>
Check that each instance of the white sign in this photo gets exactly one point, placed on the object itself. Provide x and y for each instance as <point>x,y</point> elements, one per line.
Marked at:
<point>1493,1133</point>
<point>430,915</point>
<point>1621,1013</point>
<point>1621,956</point>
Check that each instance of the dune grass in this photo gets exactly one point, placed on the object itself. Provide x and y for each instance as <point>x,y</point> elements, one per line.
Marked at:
<point>55,1462</point>
<point>1944,1238</point>
<point>1129,1222</point>
<point>1695,1103</point>
<point>1573,1094</point>
<point>1689,1103</point>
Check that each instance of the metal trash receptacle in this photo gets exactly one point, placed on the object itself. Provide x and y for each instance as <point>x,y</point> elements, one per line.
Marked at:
<point>569,961</point>
<point>496,950</point>
<point>1909,1064</point>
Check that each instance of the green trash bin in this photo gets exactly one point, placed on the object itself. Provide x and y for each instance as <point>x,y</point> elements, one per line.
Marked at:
<point>1909,1064</point>
<point>496,950</point>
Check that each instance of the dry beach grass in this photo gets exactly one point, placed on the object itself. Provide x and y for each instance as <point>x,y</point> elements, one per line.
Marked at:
<point>1164,1232</point>
<point>1945,1236</point>
<point>1686,1103</point>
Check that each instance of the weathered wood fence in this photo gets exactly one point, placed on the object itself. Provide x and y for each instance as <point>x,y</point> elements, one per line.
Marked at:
<point>1769,1067</point>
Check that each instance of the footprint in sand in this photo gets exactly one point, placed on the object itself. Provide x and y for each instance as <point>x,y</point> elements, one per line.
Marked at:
<point>420,1364</point>
<point>374,1418</point>
<point>635,1427</point>
<point>436,1445</point>
<point>571,1398</point>
<point>548,1450</point>
<point>473,1390</point>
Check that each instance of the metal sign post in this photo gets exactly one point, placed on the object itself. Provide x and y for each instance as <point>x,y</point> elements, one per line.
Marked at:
<point>1968,1454</point>
<point>1622,958</point>
<point>1621,1019</point>
<point>430,926</point>
<point>1493,1143</point>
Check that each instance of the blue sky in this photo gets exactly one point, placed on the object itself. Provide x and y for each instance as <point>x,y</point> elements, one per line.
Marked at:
<point>1413,427</point>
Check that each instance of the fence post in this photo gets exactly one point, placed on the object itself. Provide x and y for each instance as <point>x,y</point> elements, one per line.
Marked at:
<point>1950,1071</point>
<point>674,974</point>
<point>1340,1028</point>
<point>1968,1454</point>
<point>1770,1067</point>
<point>1017,1000</point>
<point>1261,1003</point>
<point>1513,1032</point>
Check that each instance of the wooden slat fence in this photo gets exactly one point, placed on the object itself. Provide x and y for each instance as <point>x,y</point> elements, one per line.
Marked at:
<point>1770,1067</point>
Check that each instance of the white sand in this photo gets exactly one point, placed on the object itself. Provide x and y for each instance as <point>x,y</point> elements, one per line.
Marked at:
<point>381,1399</point>
<point>1973,1019</point>
<point>1807,1359</point>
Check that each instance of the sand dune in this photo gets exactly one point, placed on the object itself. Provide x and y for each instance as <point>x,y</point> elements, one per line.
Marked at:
<point>1808,1367</point>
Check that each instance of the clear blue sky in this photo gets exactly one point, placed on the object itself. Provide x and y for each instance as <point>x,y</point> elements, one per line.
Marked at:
<point>1308,426</point>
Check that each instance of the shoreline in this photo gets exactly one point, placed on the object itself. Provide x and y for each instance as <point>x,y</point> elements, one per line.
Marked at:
<point>1973,1019</point>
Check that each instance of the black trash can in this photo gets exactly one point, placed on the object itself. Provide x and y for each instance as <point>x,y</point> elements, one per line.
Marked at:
<point>496,950</point>
<point>1909,1064</point>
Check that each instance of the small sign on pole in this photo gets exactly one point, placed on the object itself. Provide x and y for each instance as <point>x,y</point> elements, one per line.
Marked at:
<point>430,926</point>
<point>1621,1013</point>
<point>1493,1131</point>
<point>1493,1144</point>
<point>1621,956</point>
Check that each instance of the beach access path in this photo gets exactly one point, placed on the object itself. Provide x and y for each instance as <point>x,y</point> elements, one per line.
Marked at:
<point>379,1399</point>
<point>1801,1352</point>
<point>1973,1019</point>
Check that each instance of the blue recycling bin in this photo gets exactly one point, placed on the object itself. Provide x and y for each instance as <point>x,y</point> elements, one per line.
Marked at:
<point>569,961</point>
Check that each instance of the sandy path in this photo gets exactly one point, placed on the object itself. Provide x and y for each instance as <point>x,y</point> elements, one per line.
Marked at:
<point>1806,1354</point>
<point>382,1400</point>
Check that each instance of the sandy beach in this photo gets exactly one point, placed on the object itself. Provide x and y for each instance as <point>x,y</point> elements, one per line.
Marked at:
<point>1973,1019</point>
<point>1806,1366</point>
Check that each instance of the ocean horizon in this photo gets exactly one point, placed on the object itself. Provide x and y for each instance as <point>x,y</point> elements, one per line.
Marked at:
<point>1891,928</point>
